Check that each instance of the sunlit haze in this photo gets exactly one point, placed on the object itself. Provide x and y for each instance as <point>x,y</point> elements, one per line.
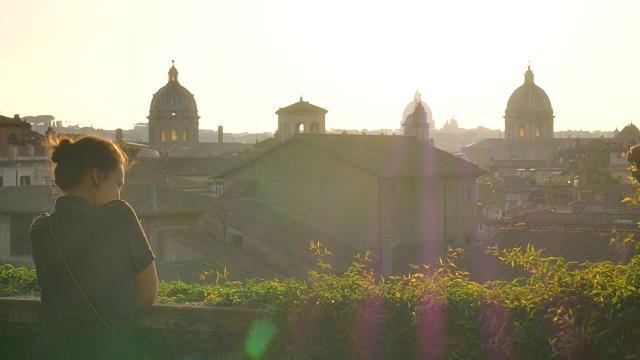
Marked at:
<point>99,62</point>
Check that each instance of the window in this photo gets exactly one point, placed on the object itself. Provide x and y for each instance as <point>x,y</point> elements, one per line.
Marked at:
<point>218,187</point>
<point>19,226</point>
<point>480,227</point>
<point>174,135</point>
<point>163,135</point>
<point>184,135</point>
<point>521,132</point>
<point>537,132</point>
<point>300,128</point>
<point>25,180</point>
<point>1,182</point>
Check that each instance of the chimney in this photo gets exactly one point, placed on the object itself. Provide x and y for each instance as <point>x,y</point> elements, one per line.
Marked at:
<point>119,135</point>
<point>220,134</point>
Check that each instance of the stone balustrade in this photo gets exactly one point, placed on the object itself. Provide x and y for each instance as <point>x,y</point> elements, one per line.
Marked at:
<point>164,331</point>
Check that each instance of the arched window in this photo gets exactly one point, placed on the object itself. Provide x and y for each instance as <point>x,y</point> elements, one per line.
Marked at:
<point>537,132</point>
<point>315,128</point>
<point>184,134</point>
<point>521,132</point>
<point>300,128</point>
<point>163,135</point>
<point>174,135</point>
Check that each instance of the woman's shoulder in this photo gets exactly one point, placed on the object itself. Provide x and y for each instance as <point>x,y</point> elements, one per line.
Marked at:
<point>118,208</point>
<point>40,222</point>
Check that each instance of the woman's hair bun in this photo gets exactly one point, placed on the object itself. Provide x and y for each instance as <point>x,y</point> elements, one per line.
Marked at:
<point>62,151</point>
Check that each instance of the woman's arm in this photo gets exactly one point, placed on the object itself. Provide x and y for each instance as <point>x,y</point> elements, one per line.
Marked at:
<point>146,286</point>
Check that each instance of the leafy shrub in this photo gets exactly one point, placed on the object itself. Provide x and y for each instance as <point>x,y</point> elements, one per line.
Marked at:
<point>19,280</point>
<point>561,310</point>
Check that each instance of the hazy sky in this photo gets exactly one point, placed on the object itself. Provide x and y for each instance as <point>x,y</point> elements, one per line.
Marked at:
<point>99,62</point>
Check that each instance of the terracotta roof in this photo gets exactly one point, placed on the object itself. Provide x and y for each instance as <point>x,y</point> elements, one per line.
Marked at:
<point>240,266</point>
<point>407,254</point>
<point>607,145</point>
<point>579,246</point>
<point>527,164</point>
<point>239,188</point>
<point>505,144</point>
<point>629,132</point>
<point>166,180</point>
<point>206,149</point>
<point>184,166</point>
<point>283,233</point>
<point>383,155</point>
<point>160,200</point>
<point>33,199</point>
<point>301,107</point>
<point>4,120</point>
<point>146,200</point>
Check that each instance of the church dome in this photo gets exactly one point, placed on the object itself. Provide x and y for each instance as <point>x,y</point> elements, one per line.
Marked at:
<point>173,98</point>
<point>528,100</point>
<point>411,107</point>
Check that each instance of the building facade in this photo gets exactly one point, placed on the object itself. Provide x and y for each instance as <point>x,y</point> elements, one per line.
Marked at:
<point>370,192</point>
<point>22,155</point>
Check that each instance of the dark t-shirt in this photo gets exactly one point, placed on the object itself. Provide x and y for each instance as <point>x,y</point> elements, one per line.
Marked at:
<point>104,247</point>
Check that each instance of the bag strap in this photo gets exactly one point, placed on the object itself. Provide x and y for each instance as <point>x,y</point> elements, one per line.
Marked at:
<point>64,261</point>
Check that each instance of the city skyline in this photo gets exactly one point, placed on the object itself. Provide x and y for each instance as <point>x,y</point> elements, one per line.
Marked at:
<point>97,65</point>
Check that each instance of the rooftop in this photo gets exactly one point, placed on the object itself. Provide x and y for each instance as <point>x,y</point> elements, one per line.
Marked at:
<point>15,121</point>
<point>184,166</point>
<point>578,246</point>
<point>301,107</point>
<point>220,256</point>
<point>146,200</point>
<point>283,233</point>
<point>383,155</point>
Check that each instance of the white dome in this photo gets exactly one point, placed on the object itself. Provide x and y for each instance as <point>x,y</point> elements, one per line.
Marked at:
<point>410,108</point>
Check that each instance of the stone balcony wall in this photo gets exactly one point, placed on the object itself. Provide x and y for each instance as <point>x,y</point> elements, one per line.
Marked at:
<point>164,331</point>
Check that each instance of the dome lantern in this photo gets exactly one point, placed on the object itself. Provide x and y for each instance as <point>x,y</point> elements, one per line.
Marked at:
<point>528,76</point>
<point>173,72</point>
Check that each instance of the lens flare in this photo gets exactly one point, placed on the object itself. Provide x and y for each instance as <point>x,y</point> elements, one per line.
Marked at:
<point>261,334</point>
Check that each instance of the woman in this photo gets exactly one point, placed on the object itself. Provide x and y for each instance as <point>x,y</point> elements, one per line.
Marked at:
<point>93,260</point>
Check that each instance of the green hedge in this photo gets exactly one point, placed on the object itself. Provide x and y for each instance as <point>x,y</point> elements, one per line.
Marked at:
<point>563,310</point>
